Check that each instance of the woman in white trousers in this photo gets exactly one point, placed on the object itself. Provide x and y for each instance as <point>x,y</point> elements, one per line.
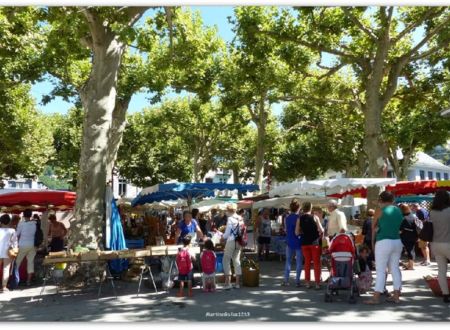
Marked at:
<point>388,247</point>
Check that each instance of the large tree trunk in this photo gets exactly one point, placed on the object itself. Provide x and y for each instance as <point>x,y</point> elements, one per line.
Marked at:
<point>406,162</point>
<point>235,170</point>
<point>118,125</point>
<point>196,163</point>
<point>261,143</point>
<point>99,101</point>
<point>374,148</point>
<point>374,144</point>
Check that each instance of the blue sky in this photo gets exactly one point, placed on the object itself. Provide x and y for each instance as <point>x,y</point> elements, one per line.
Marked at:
<point>212,15</point>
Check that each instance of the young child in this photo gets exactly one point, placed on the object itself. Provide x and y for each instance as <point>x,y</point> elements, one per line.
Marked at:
<point>184,263</point>
<point>208,262</point>
<point>364,280</point>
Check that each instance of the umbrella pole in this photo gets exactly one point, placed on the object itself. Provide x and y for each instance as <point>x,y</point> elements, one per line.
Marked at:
<point>189,202</point>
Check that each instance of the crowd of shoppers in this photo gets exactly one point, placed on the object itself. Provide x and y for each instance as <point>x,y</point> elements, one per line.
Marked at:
<point>20,238</point>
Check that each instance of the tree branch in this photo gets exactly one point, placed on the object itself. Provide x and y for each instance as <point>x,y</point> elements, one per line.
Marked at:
<point>391,12</point>
<point>320,100</point>
<point>95,25</point>
<point>332,70</point>
<point>429,13</point>
<point>169,14</point>
<point>430,35</point>
<point>253,113</point>
<point>134,14</point>
<point>317,47</point>
<point>358,23</point>
<point>299,125</point>
<point>391,86</point>
<point>429,52</point>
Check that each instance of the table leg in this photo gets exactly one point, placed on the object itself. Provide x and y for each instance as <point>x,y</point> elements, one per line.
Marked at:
<point>108,272</point>
<point>45,280</point>
<point>101,282</point>
<point>153,280</point>
<point>140,280</point>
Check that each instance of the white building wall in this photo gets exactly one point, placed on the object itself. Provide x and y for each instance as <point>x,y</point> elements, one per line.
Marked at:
<point>131,190</point>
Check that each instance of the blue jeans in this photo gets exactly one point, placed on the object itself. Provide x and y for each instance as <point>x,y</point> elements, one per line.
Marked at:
<point>299,260</point>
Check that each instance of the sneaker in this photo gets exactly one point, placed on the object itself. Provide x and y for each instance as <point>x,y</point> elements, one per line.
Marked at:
<point>308,286</point>
<point>298,285</point>
<point>285,284</point>
<point>425,263</point>
<point>227,287</point>
<point>317,287</point>
<point>236,286</point>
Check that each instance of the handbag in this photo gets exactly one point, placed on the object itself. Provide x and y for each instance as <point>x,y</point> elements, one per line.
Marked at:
<point>13,252</point>
<point>426,234</point>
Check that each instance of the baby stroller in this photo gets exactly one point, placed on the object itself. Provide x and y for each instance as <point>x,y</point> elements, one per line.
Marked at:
<point>343,255</point>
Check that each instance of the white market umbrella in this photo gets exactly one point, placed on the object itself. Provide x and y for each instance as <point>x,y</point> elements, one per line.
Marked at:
<point>284,202</point>
<point>330,186</point>
<point>287,189</point>
<point>207,205</point>
<point>334,186</point>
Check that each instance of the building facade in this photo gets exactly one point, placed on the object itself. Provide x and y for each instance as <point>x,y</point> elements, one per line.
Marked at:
<point>424,167</point>
<point>22,183</point>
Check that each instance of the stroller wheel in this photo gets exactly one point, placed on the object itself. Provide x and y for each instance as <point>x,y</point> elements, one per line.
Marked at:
<point>328,298</point>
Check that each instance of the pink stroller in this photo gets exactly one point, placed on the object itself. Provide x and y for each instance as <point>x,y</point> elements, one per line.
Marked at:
<point>343,256</point>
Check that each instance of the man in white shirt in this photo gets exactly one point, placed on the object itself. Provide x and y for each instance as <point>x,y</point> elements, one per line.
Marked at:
<point>25,232</point>
<point>337,222</point>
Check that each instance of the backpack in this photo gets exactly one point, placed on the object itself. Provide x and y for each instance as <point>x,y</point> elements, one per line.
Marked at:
<point>184,262</point>
<point>419,225</point>
<point>409,230</point>
<point>208,261</point>
<point>38,235</point>
<point>240,235</point>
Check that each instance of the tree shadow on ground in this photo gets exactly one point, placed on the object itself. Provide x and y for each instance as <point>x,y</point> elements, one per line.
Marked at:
<point>269,302</point>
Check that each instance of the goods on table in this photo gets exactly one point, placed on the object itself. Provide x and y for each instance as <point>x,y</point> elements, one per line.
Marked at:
<point>110,255</point>
<point>154,229</point>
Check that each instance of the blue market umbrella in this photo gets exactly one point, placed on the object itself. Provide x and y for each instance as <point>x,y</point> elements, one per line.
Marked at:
<point>171,191</point>
<point>117,240</point>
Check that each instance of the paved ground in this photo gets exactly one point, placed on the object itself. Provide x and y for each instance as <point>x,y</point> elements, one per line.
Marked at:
<point>269,302</point>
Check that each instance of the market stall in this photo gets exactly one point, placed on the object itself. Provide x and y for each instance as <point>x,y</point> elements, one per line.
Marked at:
<point>15,201</point>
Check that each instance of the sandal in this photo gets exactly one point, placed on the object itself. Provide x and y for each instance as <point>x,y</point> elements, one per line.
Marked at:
<point>395,298</point>
<point>375,300</point>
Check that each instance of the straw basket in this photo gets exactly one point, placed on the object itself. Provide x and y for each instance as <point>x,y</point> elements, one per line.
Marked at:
<point>250,273</point>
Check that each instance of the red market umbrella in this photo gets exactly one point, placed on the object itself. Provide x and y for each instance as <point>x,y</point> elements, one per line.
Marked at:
<point>358,192</point>
<point>37,199</point>
<point>403,188</point>
<point>424,187</point>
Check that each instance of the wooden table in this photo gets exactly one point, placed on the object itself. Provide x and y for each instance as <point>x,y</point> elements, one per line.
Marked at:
<point>105,256</point>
